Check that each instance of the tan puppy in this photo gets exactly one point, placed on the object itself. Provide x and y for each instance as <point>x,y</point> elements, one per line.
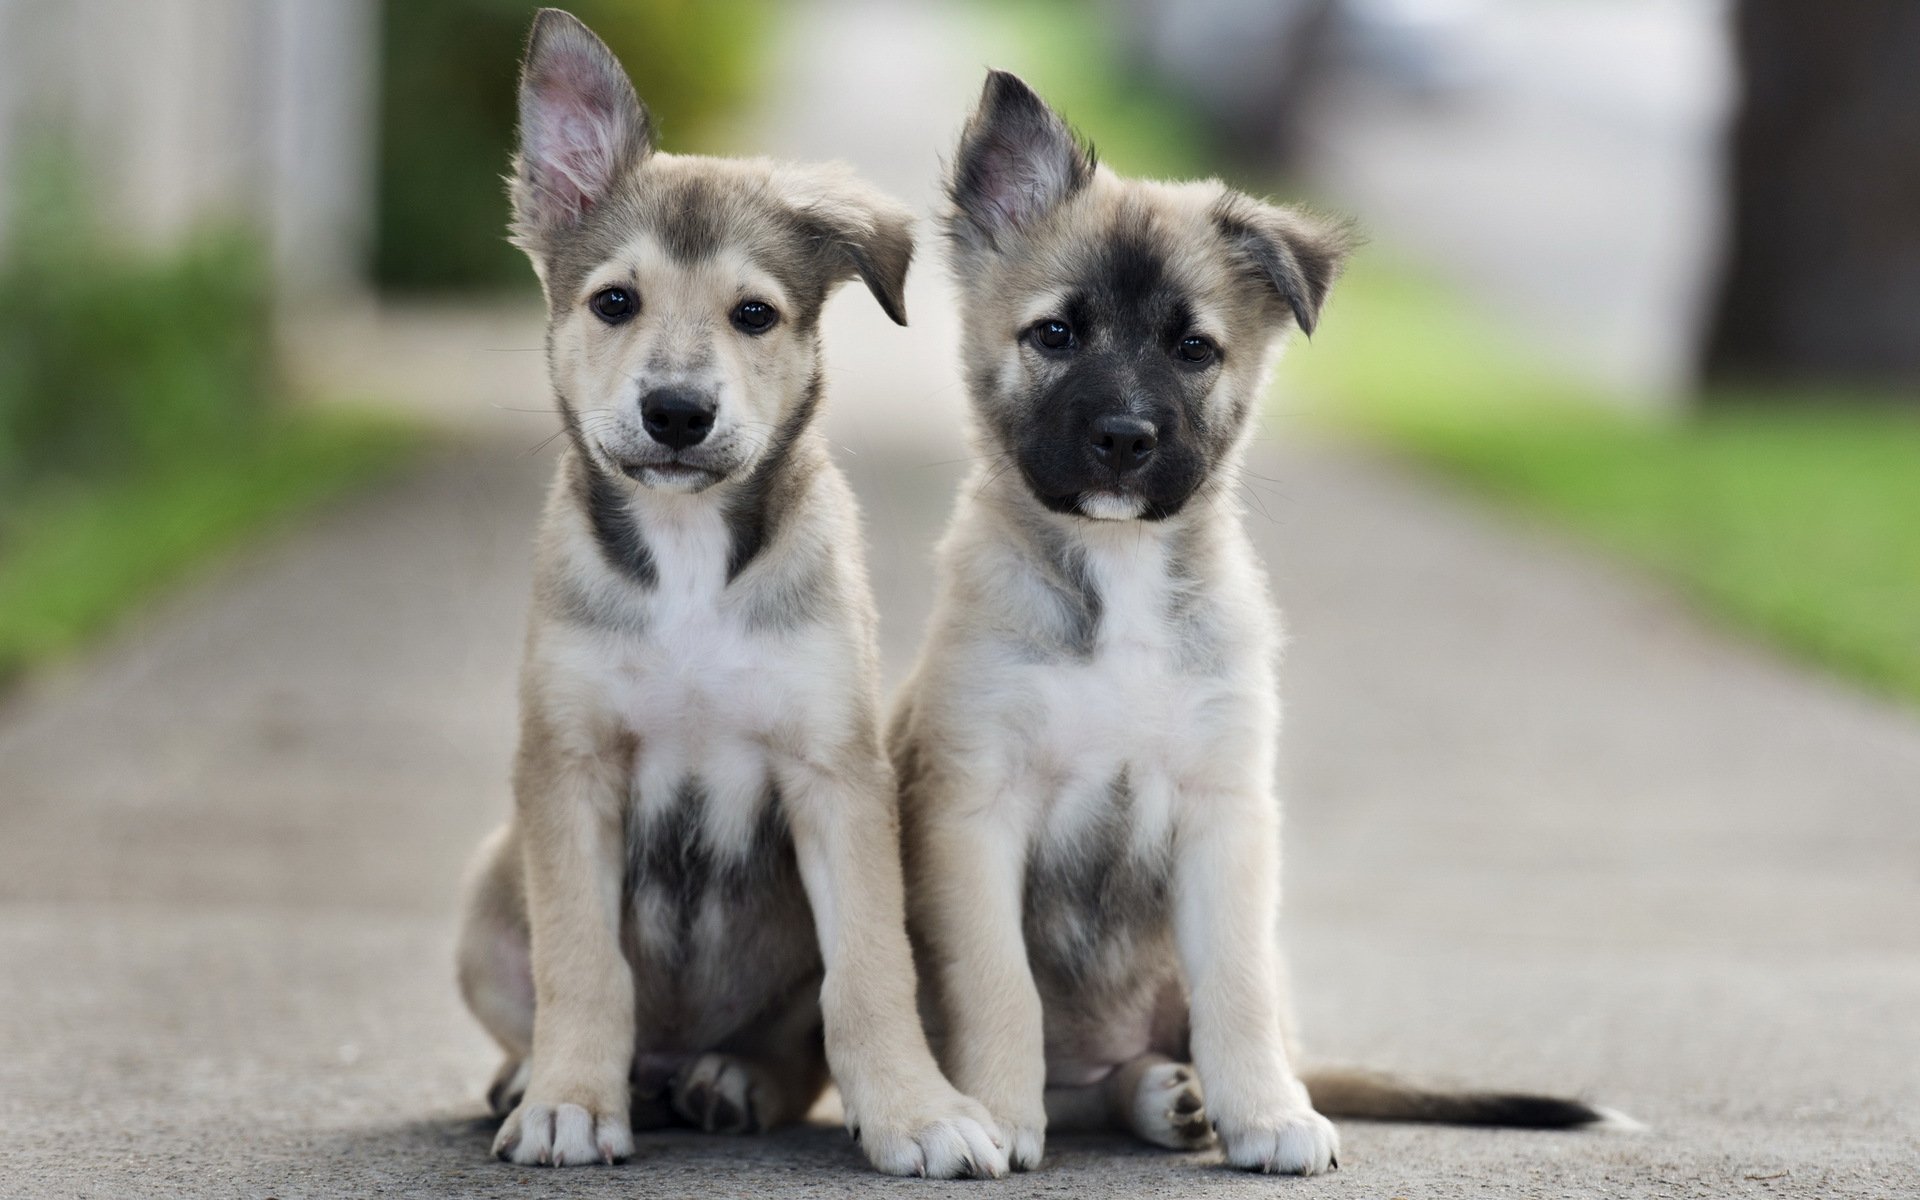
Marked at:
<point>696,907</point>
<point>1086,747</point>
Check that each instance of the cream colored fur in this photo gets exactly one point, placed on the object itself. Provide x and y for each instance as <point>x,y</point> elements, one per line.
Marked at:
<point>696,908</point>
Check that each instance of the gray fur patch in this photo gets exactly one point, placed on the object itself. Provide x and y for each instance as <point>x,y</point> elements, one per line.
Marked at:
<point>563,597</point>
<point>790,599</point>
<point>1190,611</point>
<point>670,862</point>
<point>1063,565</point>
<point>1095,908</point>
<point>691,220</point>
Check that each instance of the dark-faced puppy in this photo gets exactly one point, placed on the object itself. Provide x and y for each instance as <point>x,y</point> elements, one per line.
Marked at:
<point>695,908</point>
<point>1116,331</point>
<point>1086,746</point>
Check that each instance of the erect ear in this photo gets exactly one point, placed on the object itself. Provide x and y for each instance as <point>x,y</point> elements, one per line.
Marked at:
<point>1295,254</point>
<point>1017,160</point>
<point>581,127</point>
<point>859,229</point>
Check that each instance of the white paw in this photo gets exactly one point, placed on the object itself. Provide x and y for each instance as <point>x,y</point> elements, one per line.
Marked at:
<point>1170,1110</point>
<point>562,1135</point>
<point>1301,1142</point>
<point>1026,1142</point>
<point>718,1093</point>
<point>947,1138</point>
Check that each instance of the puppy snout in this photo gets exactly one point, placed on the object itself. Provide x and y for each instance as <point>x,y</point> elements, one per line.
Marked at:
<point>1122,442</point>
<point>677,417</point>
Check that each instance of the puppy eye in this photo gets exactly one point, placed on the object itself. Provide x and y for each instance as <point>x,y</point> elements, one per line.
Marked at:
<point>754,316</point>
<point>1052,335</point>
<point>613,305</point>
<point>1197,350</point>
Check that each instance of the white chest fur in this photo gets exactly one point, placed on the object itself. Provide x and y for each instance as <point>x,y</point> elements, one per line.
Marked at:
<point>709,697</point>
<point>1137,716</point>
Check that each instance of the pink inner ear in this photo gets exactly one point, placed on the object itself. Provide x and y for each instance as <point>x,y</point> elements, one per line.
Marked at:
<point>1015,195</point>
<point>1022,180</point>
<point>570,148</point>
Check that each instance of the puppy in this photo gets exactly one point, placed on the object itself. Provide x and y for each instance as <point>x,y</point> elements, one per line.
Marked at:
<point>1086,746</point>
<point>696,906</point>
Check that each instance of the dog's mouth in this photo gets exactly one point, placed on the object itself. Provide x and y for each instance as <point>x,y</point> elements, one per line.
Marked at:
<point>1124,501</point>
<point>1110,504</point>
<point>671,475</point>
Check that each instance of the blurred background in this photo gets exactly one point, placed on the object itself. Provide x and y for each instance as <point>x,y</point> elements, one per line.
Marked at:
<point>1594,504</point>
<point>1649,266</point>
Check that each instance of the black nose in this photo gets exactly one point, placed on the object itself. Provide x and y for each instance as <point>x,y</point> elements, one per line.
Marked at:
<point>1122,442</point>
<point>676,417</point>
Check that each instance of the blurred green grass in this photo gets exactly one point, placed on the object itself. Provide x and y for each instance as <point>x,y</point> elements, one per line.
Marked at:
<point>140,424</point>
<point>1792,514</point>
<point>77,555</point>
<point>1795,513</point>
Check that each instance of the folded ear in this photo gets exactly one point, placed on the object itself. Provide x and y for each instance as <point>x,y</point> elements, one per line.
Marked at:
<point>860,229</point>
<point>581,127</point>
<point>1017,160</point>
<point>1295,254</point>
<point>881,249</point>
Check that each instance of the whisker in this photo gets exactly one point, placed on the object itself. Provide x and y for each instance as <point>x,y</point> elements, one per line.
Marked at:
<point>1006,462</point>
<point>1258,503</point>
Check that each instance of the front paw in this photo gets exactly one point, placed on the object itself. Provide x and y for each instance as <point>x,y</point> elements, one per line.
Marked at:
<point>1025,1140</point>
<point>1300,1142</point>
<point>1020,1114</point>
<point>946,1137</point>
<point>563,1134</point>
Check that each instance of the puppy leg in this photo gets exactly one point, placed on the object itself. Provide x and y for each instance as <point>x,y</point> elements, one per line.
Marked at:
<point>494,964</point>
<point>575,1107</point>
<point>1226,906</point>
<point>969,889</point>
<point>846,834</point>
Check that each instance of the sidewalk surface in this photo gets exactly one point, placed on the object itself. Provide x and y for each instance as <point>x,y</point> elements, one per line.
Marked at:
<point>1547,829</point>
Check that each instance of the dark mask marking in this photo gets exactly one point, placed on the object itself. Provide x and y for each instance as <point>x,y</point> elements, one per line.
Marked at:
<point>604,500</point>
<point>1128,314</point>
<point>754,512</point>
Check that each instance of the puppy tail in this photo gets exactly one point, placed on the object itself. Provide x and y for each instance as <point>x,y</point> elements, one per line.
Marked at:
<point>1364,1095</point>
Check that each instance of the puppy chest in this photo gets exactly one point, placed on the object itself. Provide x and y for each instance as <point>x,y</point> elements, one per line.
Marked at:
<point>700,693</point>
<point>1136,697</point>
<point>692,677</point>
<point>1123,712</point>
